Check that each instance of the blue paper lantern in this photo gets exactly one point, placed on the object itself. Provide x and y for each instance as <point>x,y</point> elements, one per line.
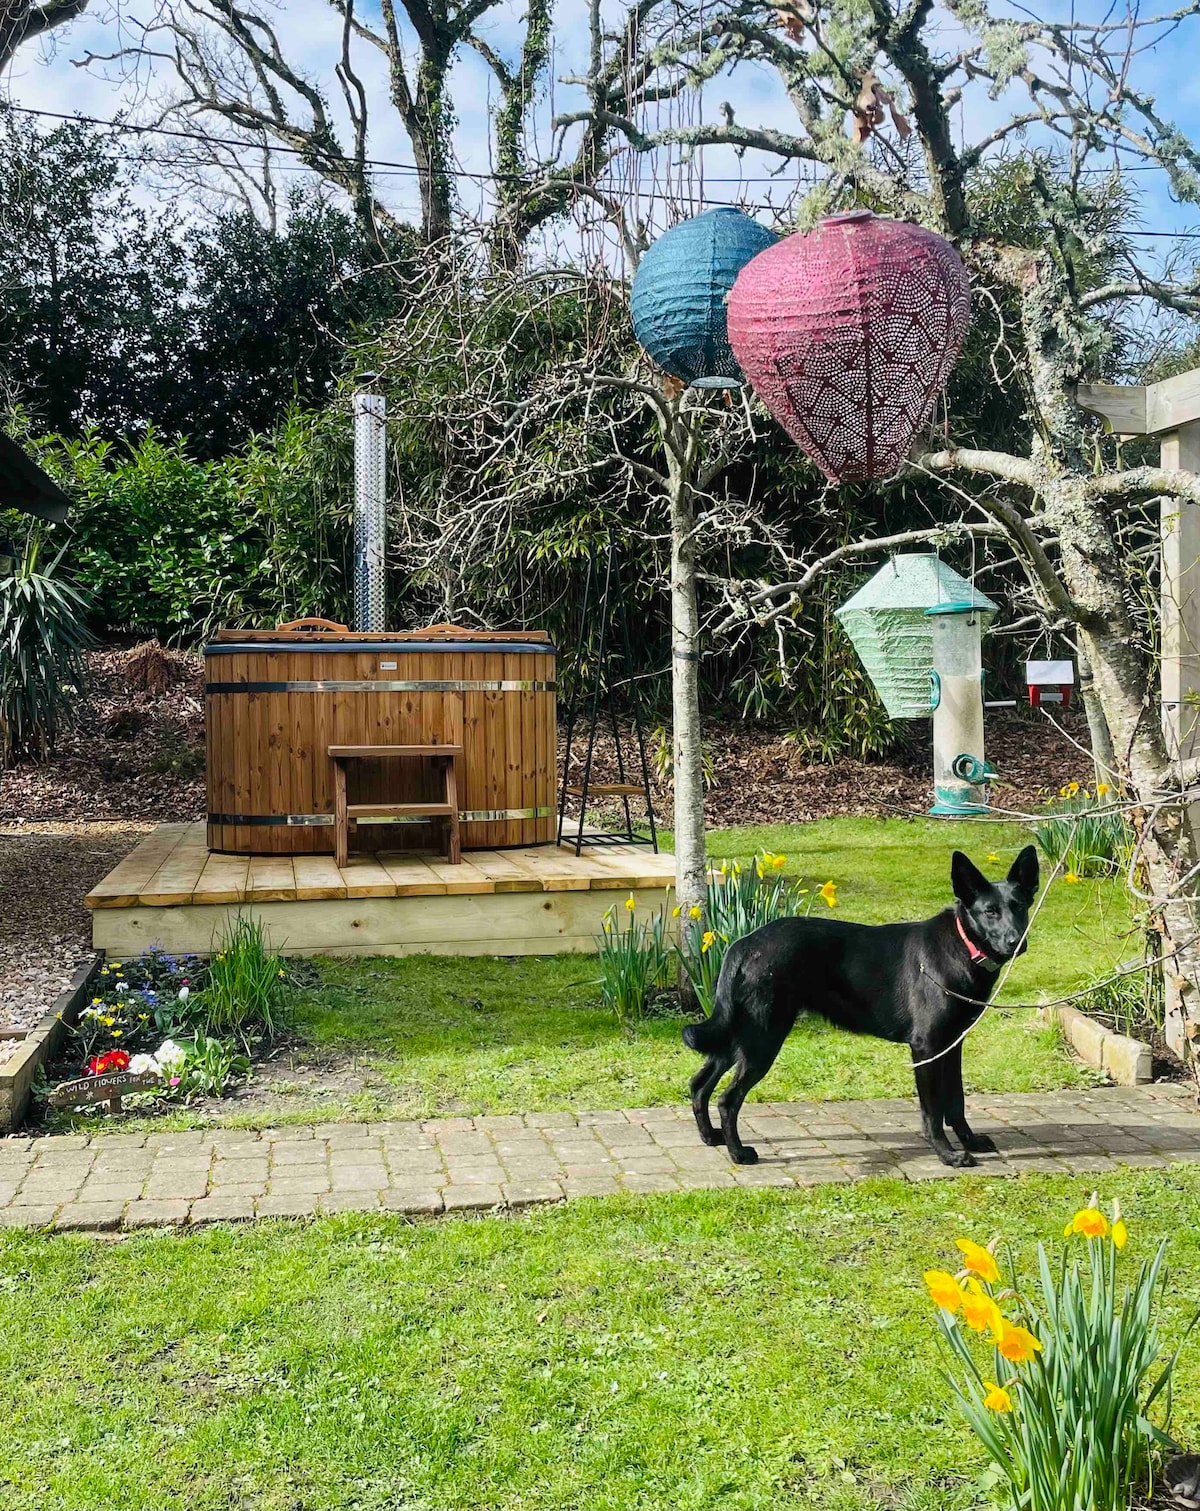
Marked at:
<point>679,293</point>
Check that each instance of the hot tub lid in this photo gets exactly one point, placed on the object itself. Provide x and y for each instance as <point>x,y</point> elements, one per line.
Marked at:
<point>436,637</point>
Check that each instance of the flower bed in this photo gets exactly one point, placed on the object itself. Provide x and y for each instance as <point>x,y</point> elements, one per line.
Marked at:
<point>188,1023</point>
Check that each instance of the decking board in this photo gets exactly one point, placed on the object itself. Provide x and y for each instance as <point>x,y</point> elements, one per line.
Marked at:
<point>171,889</point>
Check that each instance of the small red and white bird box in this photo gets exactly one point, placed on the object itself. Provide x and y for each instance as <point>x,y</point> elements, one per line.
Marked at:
<point>1050,682</point>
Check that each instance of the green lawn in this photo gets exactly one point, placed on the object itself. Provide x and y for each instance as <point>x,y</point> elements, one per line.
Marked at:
<point>443,1035</point>
<point>719,1349</point>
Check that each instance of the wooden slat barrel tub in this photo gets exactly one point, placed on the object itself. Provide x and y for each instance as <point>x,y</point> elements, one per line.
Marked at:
<point>275,700</point>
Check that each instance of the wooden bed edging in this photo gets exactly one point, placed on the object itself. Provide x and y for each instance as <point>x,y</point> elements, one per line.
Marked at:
<point>17,1072</point>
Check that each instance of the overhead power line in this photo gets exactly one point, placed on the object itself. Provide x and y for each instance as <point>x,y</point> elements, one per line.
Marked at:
<point>388,167</point>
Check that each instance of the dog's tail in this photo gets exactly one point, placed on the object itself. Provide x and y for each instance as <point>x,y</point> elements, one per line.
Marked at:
<point>714,1033</point>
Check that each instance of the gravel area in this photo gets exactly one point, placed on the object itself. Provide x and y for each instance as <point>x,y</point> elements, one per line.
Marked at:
<point>45,930</point>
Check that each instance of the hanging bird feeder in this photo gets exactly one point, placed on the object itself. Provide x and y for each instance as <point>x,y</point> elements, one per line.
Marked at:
<point>960,770</point>
<point>889,627</point>
<point>848,333</point>
<point>679,293</point>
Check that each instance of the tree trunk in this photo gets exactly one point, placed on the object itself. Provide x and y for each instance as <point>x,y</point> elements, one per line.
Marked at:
<point>1102,750</point>
<point>690,862</point>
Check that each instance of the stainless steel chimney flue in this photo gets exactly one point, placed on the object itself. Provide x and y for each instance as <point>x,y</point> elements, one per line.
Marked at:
<point>370,510</point>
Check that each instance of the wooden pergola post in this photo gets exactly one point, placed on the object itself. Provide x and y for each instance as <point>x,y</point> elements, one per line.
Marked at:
<point>1169,410</point>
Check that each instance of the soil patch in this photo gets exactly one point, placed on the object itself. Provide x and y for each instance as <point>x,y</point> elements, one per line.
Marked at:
<point>45,930</point>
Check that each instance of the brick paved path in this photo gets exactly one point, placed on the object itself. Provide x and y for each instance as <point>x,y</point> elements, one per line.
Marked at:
<point>136,1180</point>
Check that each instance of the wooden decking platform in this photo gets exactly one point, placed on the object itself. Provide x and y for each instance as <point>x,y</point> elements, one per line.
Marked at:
<point>173,891</point>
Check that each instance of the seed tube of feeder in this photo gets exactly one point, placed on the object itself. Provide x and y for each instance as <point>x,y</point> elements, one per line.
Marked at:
<point>960,769</point>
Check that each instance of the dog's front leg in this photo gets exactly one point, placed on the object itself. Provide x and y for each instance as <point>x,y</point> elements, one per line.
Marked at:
<point>931,1090</point>
<point>954,1105</point>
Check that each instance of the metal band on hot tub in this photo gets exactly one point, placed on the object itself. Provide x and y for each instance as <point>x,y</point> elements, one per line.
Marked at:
<point>380,686</point>
<point>314,820</point>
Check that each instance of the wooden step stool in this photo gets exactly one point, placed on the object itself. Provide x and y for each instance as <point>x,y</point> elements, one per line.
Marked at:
<point>345,814</point>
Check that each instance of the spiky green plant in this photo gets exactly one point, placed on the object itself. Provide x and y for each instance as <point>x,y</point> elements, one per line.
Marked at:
<point>635,961</point>
<point>43,635</point>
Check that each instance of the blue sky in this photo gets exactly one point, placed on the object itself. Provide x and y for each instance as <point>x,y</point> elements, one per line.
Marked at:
<point>44,77</point>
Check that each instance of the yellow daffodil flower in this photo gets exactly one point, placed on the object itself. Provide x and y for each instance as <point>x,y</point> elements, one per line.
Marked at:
<point>829,893</point>
<point>978,1259</point>
<point>676,911</point>
<point>1072,789</point>
<point>980,1312</point>
<point>1120,1233</point>
<point>707,941</point>
<point>1016,1344</point>
<point>1089,1221</point>
<point>630,903</point>
<point>997,1398</point>
<point>695,912</point>
<point>1070,876</point>
<point>944,1290</point>
<point>1102,789</point>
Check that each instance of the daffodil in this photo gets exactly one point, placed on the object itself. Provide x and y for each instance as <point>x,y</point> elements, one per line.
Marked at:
<point>980,1312</point>
<point>979,1260</point>
<point>1119,1234</point>
<point>1016,1344</point>
<point>676,911</point>
<point>997,1398</point>
<point>1102,789</point>
<point>695,912</point>
<point>829,893</point>
<point>630,903</point>
<point>944,1290</point>
<point>1089,1221</point>
<point>1072,789</point>
<point>1070,876</point>
<point>708,939</point>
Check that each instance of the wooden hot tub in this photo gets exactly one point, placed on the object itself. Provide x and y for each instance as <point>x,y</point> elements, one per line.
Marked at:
<point>275,700</point>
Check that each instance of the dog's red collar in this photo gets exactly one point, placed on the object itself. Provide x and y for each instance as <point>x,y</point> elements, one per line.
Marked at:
<point>977,956</point>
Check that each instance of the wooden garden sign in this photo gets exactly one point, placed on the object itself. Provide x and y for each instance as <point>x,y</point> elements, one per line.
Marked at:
<point>104,1088</point>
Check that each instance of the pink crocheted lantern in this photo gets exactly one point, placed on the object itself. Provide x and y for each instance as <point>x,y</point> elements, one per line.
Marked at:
<point>848,334</point>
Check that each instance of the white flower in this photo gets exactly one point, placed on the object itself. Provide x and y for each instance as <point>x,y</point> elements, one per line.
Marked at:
<point>122,986</point>
<point>184,993</point>
<point>145,1065</point>
<point>169,1055</point>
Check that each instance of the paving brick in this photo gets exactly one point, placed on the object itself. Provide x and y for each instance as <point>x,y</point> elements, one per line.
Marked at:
<point>106,1188</point>
<point>299,1185</point>
<point>471,1198</point>
<point>448,1125</point>
<point>244,1172</point>
<point>250,1188</point>
<point>646,1184</point>
<point>156,1214</point>
<point>190,1185</point>
<point>474,1172</point>
<point>360,1178</point>
<point>189,1140</point>
<point>287,1206</point>
<point>102,1143</point>
<point>594,1185</point>
<point>222,1209</point>
<point>27,1217</point>
<point>288,1134</point>
<point>424,1199</point>
<point>702,1180</point>
<point>531,1193</point>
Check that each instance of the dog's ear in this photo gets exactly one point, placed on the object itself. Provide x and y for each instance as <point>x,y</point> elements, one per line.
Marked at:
<point>966,879</point>
<point>1024,871</point>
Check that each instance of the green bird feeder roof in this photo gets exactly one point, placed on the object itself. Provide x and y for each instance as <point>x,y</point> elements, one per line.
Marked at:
<point>888,623</point>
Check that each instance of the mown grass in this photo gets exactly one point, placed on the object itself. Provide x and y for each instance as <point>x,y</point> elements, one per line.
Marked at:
<point>731,1349</point>
<point>441,1035</point>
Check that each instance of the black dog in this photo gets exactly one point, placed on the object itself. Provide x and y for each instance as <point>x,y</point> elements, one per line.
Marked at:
<point>899,981</point>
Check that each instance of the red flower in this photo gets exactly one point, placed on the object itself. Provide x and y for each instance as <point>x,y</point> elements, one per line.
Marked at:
<point>115,1059</point>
